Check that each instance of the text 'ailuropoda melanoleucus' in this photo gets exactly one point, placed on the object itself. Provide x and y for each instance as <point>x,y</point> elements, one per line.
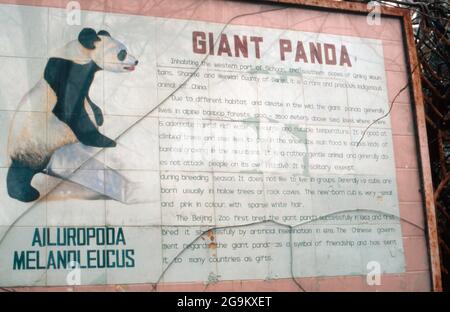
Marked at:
<point>57,111</point>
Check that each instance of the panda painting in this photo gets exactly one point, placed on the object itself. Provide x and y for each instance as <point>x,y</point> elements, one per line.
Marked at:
<point>60,102</point>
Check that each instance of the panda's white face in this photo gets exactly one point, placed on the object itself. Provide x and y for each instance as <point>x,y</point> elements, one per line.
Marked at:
<point>112,55</point>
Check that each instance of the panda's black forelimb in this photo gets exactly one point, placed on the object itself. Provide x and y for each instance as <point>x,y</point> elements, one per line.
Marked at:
<point>96,140</point>
<point>84,129</point>
<point>71,83</point>
<point>97,111</point>
<point>18,182</point>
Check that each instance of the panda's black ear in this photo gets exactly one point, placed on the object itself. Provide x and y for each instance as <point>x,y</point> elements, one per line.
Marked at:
<point>103,33</point>
<point>87,37</point>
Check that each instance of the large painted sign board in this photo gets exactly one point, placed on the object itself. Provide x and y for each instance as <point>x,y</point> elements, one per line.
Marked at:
<point>207,142</point>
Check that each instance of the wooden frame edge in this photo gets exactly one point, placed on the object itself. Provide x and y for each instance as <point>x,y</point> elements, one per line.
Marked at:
<point>422,140</point>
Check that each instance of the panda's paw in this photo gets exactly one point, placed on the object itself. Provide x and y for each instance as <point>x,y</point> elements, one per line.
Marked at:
<point>107,142</point>
<point>26,194</point>
<point>19,183</point>
<point>97,140</point>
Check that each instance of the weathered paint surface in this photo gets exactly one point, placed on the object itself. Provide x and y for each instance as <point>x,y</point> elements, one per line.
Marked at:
<point>408,172</point>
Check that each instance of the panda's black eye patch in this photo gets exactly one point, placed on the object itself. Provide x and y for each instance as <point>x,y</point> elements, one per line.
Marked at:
<point>122,55</point>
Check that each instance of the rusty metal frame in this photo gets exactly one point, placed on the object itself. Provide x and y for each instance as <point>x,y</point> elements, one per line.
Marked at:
<point>415,88</point>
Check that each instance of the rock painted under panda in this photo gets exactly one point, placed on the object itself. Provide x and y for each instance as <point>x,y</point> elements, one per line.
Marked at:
<point>58,111</point>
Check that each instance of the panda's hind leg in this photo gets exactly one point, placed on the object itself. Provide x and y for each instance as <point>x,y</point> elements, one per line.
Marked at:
<point>19,182</point>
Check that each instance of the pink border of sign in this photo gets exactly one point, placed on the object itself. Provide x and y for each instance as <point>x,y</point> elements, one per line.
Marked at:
<point>422,264</point>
